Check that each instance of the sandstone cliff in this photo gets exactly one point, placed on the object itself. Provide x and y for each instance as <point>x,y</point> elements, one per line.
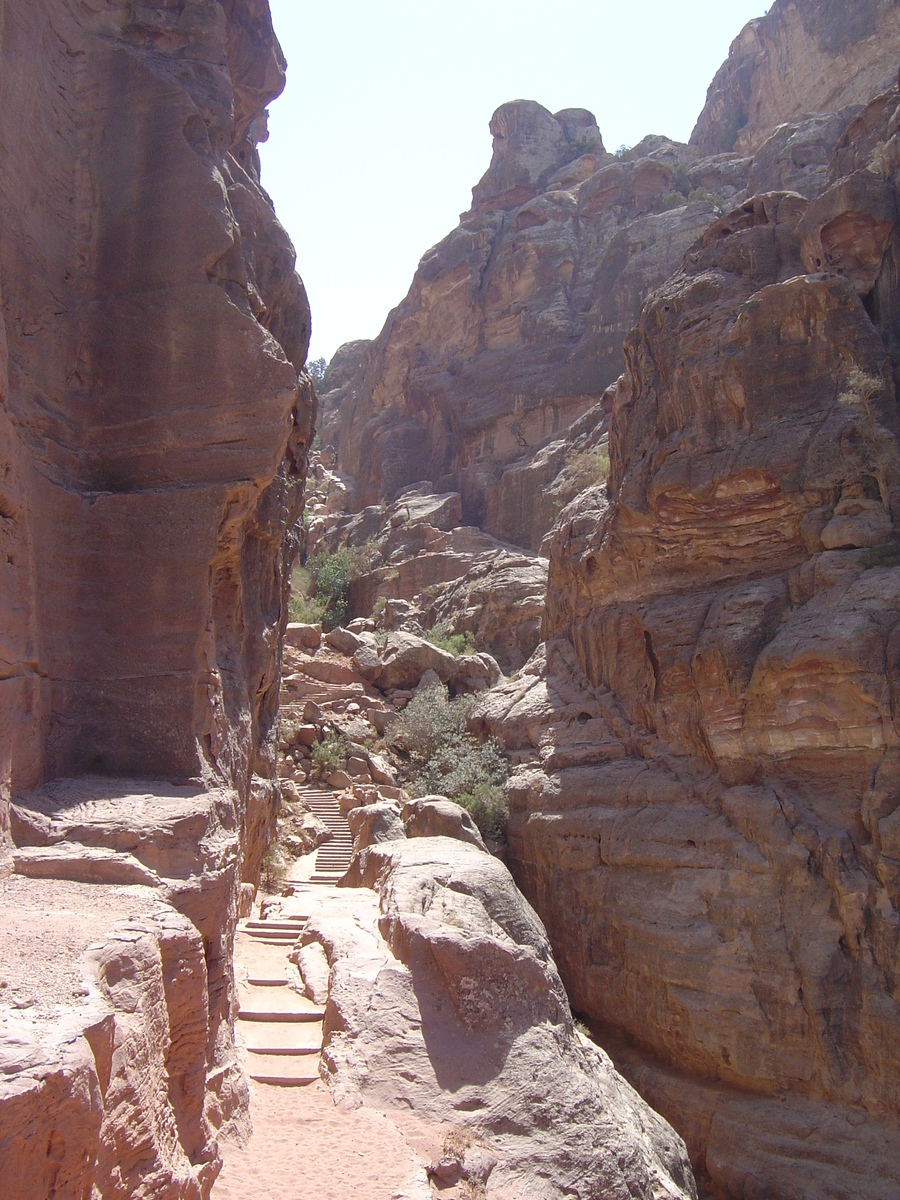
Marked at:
<point>489,377</point>
<point>513,326</point>
<point>803,56</point>
<point>154,420</point>
<point>154,428</point>
<point>705,811</point>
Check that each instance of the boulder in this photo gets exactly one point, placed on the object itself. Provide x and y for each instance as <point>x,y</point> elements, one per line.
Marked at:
<point>445,1001</point>
<point>343,640</point>
<point>436,816</point>
<point>379,822</point>
<point>402,661</point>
<point>303,637</point>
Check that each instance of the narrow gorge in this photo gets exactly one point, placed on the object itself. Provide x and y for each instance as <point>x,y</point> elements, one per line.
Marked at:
<point>480,759</point>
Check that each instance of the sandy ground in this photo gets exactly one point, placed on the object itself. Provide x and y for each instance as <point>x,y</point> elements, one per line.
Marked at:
<point>47,926</point>
<point>305,1148</point>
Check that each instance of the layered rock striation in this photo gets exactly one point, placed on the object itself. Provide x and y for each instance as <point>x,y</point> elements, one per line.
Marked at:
<point>444,1000</point>
<point>154,422</point>
<point>513,326</point>
<point>803,56</point>
<point>705,808</point>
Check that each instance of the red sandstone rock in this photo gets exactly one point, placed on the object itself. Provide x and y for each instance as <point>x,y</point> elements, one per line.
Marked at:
<point>802,57</point>
<point>707,747</point>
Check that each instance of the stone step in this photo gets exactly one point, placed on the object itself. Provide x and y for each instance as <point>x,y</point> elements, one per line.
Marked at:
<point>280,1071</point>
<point>292,923</point>
<point>276,1004</point>
<point>283,1037</point>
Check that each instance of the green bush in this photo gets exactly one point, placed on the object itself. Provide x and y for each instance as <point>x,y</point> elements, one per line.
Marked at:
<point>445,760</point>
<point>330,755</point>
<point>454,643</point>
<point>331,575</point>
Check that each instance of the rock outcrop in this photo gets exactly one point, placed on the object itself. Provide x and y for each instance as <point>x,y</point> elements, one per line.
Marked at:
<point>489,378</point>
<point>803,56</point>
<point>154,423</point>
<point>444,1000</point>
<point>416,567</point>
<point>513,326</point>
<point>705,807</point>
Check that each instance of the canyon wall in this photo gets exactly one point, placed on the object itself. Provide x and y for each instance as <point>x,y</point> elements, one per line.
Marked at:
<point>705,808</point>
<point>154,424</point>
<point>513,325</point>
<point>803,56</point>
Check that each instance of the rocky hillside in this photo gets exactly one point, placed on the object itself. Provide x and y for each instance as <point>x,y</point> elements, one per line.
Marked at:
<point>513,326</point>
<point>703,803</point>
<point>803,56</point>
<point>153,425</point>
<point>705,811</point>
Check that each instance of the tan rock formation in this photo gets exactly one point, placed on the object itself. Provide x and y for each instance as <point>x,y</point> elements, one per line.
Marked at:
<point>704,810</point>
<point>444,1000</point>
<point>803,56</point>
<point>513,326</point>
<point>154,420</point>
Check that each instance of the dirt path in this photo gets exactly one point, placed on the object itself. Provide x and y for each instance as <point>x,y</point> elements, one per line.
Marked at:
<point>305,1148</point>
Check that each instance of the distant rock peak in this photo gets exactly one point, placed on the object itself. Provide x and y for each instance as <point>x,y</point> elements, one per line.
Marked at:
<point>530,146</point>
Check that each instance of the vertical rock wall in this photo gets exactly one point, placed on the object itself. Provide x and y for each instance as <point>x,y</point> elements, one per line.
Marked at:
<point>803,56</point>
<point>155,420</point>
<point>707,812</point>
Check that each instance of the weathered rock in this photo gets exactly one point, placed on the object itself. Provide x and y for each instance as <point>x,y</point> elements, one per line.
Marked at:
<point>436,816</point>
<point>303,637</point>
<point>155,416</point>
<point>707,745</point>
<point>116,1086</point>
<point>445,1000</point>
<point>802,57</point>
<point>403,660</point>
<point>315,972</point>
<point>375,823</point>
<point>513,325</point>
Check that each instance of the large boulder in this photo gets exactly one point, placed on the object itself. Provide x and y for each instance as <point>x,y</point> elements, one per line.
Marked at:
<point>402,661</point>
<point>445,1000</point>
<point>436,816</point>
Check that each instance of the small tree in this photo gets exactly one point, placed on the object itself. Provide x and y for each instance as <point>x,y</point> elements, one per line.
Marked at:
<point>316,368</point>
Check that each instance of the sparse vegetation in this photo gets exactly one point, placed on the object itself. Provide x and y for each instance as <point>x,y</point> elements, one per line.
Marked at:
<point>887,555</point>
<point>320,589</point>
<point>860,392</point>
<point>446,760</point>
<point>587,467</point>
<point>316,370</point>
<point>443,637</point>
<point>330,755</point>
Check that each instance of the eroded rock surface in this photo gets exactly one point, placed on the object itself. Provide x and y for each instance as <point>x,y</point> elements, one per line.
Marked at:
<point>444,1000</point>
<point>154,422</point>
<point>705,802</point>
<point>803,56</point>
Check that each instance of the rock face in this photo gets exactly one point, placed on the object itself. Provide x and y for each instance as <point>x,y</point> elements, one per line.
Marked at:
<point>513,326</point>
<point>154,421</point>
<point>444,999</point>
<point>416,552</point>
<point>705,809</point>
<point>803,56</point>
<point>154,425</point>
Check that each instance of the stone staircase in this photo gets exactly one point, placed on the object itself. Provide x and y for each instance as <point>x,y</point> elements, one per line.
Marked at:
<point>333,856</point>
<point>280,1028</point>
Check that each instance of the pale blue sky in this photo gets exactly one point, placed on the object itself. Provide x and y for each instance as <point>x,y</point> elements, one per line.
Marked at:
<point>382,130</point>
